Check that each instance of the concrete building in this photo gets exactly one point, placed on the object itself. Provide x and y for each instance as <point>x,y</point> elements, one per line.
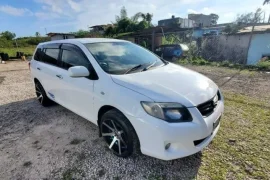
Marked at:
<point>260,43</point>
<point>176,22</point>
<point>201,20</point>
<point>59,36</point>
<point>99,28</point>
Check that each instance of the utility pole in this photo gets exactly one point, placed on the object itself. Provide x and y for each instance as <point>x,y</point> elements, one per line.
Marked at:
<point>249,42</point>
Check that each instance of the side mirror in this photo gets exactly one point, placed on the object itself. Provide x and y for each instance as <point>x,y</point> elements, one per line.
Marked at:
<point>78,71</point>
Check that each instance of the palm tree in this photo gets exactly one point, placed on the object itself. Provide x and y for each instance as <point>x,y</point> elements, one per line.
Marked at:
<point>266,2</point>
<point>136,17</point>
<point>37,34</point>
<point>147,17</point>
<point>123,14</point>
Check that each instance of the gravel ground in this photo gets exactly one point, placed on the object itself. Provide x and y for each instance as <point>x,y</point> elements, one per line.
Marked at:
<point>54,143</point>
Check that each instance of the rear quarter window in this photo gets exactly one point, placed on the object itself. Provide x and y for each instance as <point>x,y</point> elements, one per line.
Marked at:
<point>38,55</point>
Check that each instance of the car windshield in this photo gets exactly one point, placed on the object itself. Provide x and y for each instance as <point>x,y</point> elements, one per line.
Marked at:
<point>123,57</point>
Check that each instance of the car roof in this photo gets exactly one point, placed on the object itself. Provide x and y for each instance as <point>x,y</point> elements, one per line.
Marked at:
<point>83,40</point>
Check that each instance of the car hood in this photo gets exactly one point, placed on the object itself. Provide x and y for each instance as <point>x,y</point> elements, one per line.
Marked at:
<point>170,83</point>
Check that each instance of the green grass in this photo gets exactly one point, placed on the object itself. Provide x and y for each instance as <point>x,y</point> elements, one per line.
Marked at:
<point>264,66</point>
<point>241,150</point>
<point>12,51</point>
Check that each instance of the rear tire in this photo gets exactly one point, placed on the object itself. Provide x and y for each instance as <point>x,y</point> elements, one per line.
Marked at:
<point>119,134</point>
<point>41,95</point>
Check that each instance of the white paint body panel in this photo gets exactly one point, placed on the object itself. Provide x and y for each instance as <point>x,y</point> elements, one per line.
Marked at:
<point>170,83</point>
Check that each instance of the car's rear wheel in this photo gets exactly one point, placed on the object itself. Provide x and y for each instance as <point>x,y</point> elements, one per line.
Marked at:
<point>41,95</point>
<point>119,134</point>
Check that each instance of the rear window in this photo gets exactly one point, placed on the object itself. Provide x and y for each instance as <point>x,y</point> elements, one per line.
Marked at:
<point>51,56</point>
<point>38,55</point>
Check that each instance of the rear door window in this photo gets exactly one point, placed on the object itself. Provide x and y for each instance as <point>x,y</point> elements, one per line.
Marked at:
<point>51,56</point>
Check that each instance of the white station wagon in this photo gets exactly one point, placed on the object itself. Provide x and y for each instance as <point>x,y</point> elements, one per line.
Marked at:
<point>139,101</point>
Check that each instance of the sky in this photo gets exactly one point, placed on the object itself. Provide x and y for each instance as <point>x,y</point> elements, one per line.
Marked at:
<point>26,17</point>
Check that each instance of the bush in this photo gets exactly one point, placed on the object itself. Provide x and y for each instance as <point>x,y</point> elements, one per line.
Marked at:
<point>225,63</point>
<point>264,65</point>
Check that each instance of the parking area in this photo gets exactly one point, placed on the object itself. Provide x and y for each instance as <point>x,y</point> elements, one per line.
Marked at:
<point>55,143</point>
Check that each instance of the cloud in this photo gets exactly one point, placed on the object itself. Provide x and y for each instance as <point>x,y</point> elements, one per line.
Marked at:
<point>46,16</point>
<point>75,6</point>
<point>205,10</point>
<point>53,5</point>
<point>191,1</point>
<point>15,11</point>
<point>192,11</point>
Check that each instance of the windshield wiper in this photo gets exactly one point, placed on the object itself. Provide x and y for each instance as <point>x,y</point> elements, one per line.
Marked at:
<point>133,68</point>
<point>148,67</point>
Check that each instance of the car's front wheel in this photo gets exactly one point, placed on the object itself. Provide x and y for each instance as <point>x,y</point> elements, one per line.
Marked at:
<point>119,134</point>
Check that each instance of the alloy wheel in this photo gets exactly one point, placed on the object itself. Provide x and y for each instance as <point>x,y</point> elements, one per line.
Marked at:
<point>114,136</point>
<point>39,94</point>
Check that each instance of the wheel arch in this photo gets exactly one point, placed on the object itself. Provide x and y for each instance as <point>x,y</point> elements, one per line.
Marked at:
<point>36,80</point>
<point>107,108</point>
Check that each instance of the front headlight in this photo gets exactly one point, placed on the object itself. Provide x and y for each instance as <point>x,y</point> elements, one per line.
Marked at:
<point>170,112</point>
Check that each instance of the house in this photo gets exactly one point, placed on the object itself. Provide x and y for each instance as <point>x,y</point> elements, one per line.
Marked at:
<point>199,32</point>
<point>244,47</point>
<point>201,20</point>
<point>260,42</point>
<point>176,22</point>
<point>99,28</point>
<point>59,36</point>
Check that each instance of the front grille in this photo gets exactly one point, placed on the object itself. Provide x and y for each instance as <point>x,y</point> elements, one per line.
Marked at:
<point>208,107</point>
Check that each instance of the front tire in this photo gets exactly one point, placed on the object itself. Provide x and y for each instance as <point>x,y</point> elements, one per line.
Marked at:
<point>41,95</point>
<point>119,134</point>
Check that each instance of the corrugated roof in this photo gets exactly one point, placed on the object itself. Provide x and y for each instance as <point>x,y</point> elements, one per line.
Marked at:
<point>261,28</point>
<point>53,33</point>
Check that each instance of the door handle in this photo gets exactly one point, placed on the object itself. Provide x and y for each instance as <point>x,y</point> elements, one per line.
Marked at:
<point>59,76</point>
<point>38,69</point>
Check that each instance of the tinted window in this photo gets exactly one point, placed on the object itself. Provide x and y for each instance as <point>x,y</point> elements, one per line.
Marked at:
<point>73,58</point>
<point>119,57</point>
<point>168,50</point>
<point>38,55</point>
<point>50,56</point>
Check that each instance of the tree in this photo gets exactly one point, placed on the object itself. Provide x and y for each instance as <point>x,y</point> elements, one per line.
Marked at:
<point>81,33</point>
<point>136,17</point>
<point>123,14</point>
<point>147,17</point>
<point>266,2</point>
<point>8,35</point>
<point>214,19</point>
<point>142,25</point>
<point>231,29</point>
<point>250,17</point>
<point>126,24</point>
<point>110,31</point>
<point>243,20</point>
<point>37,34</point>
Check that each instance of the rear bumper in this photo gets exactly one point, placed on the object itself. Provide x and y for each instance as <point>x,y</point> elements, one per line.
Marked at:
<point>154,134</point>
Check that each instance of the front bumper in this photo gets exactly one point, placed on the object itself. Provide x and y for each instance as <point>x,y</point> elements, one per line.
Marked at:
<point>154,134</point>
